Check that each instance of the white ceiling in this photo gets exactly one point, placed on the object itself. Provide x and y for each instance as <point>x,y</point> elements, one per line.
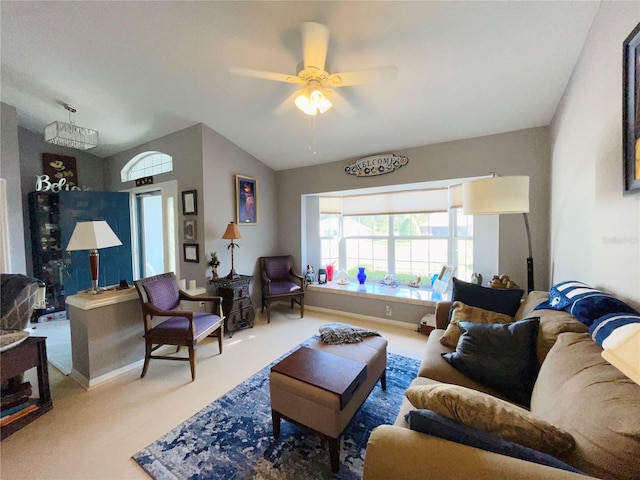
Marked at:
<point>137,71</point>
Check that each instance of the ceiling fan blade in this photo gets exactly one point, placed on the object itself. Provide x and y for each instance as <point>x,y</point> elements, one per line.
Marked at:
<point>345,79</point>
<point>288,103</point>
<point>341,104</point>
<point>315,42</point>
<point>277,77</point>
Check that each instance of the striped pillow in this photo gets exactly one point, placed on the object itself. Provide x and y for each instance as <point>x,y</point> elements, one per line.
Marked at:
<point>604,326</point>
<point>583,302</point>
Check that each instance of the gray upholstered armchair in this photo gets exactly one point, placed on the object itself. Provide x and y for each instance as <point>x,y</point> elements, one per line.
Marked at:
<point>281,282</point>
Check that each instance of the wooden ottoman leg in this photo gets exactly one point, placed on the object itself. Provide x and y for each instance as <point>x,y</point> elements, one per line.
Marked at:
<point>383,379</point>
<point>334,454</point>
<point>275,421</point>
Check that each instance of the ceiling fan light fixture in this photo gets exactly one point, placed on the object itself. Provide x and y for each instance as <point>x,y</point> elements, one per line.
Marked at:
<point>313,102</point>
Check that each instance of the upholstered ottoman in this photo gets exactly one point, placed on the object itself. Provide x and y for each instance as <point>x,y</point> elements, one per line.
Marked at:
<point>323,412</point>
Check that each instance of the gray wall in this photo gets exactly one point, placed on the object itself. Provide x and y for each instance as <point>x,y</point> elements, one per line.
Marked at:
<point>524,152</point>
<point>10,171</point>
<point>595,229</point>
<point>89,169</point>
<point>221,162</point>
<point>185,147</point>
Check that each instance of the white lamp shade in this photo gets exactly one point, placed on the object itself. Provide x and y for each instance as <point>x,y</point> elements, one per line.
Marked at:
<point>92,236</point>
<point>496,195</point>
<point>622,350</point>
<point>455,196</point>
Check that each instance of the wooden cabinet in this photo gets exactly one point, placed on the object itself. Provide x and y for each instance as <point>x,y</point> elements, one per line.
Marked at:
<point>17,360</point>
<point>236,302</point>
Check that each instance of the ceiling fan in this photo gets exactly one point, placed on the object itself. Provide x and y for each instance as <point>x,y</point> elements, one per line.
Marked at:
<point>317,94</point>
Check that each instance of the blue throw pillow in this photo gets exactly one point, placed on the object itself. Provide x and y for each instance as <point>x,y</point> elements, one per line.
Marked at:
<point>432,423</point>
<point>605,325</point>
<point>502,357</point>
<point>505,301</point>
<point>583,302</point>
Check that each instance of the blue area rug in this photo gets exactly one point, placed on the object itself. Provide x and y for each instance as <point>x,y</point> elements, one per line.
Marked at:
<point>232,438</point>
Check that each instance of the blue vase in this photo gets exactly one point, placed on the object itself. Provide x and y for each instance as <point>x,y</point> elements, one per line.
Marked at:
<point>362,277</point>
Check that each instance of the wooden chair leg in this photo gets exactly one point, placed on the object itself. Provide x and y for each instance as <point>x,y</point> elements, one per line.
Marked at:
<point>220,335</point>
<point>268,312</point>
<point>192,361</point>
<point>301,307</point>
<point>147,356</point>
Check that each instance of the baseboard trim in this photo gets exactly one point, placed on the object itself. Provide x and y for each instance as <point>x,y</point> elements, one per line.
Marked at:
<point>102,379</point>
<point>366,318</point>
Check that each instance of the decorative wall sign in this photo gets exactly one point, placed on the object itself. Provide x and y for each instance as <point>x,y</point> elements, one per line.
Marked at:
<point>140,182</point>
<point>376,165</point>
<point>59,167</point>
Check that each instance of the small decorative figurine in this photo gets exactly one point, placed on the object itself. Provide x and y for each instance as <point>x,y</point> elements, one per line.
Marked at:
<point>310,276</point>
<point>415,283</point>
<point>214,263</point>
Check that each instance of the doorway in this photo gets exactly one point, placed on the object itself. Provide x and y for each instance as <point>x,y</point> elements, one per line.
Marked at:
<point>153,229</point>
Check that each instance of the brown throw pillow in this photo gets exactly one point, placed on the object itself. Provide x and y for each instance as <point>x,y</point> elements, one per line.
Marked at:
<point>465,313</point>
<point>490,414</point>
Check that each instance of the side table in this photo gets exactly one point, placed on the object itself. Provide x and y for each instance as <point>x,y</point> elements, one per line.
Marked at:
<point>236,302</point>
<point>17,360</point>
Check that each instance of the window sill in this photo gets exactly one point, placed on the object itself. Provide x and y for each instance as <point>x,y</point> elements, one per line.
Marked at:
<point>400,294</point>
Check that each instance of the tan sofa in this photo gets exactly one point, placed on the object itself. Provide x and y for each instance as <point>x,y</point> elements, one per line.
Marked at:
<point>576,390</point>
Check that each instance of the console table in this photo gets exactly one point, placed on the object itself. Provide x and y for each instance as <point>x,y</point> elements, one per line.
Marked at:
<point>236,302</point>
<point>17,360</point>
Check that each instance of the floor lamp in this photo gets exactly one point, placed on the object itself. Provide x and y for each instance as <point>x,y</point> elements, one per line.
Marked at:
<point>93,236</point>
<point>232,233</point>
<point>499,196</point>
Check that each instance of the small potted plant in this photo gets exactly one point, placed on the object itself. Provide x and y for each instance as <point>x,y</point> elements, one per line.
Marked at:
<point>214,263</point>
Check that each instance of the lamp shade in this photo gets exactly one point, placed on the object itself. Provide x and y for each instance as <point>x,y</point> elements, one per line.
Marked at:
<point>455,196</point>
<point>496,195</point>
<point>232,232</point>
<point>92,235</point>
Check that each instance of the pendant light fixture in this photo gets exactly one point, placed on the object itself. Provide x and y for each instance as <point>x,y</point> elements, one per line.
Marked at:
<point>69,134</point>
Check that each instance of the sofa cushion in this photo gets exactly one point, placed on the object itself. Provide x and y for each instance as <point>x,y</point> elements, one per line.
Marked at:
<point>432,423</point>
<point>435,367</point>
<point>463,312</point>
<point>500,356</point>
<point>497,300</point>
<point>531,301</point>
<point>490,414</point>
<point>580,392</point>
<point>552,324</point>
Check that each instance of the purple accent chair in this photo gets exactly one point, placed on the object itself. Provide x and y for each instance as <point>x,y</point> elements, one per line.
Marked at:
<point>281,282</point>
<point>166,324</point>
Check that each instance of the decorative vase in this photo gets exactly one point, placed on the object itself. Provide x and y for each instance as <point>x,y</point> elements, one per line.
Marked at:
<point>329,273</point>
<point>362,277</point>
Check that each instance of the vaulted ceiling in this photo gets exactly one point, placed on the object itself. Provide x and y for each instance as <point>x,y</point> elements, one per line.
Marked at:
<point>136,71</point>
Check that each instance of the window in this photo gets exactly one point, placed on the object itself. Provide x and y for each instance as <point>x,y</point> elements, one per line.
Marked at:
<point>406,245</point>
<point>145,165</point>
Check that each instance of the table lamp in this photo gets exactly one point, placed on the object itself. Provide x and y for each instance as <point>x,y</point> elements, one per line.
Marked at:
<point>92,236</point>
<point>498,196</point>
<point>232,233</point>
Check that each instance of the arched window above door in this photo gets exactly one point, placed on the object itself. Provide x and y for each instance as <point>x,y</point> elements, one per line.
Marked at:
<point>146,164</point>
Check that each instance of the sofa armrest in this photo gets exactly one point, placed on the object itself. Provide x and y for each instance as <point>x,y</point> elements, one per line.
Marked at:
<point>442,314</point>
<point>401,454</point>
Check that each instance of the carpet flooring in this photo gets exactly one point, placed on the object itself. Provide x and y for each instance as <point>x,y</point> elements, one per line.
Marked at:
<point>232,437</point>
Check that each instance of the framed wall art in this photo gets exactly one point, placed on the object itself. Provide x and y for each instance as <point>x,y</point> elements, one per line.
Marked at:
<point>631,111</point>
<point>190,202</point>
<point>191,252</point>
<point>190,230</point>
<point>246,200</point>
